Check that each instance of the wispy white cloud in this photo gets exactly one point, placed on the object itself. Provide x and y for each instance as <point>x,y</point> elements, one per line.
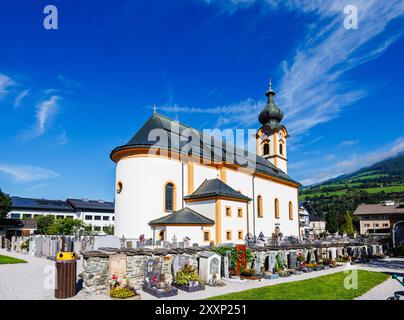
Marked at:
<point>69,82</point>
<point>45,110</point>
<point>26,173</point>
<point>62,139</point>
<point>19,97</point>
<point>5,84</point>
<point>352,163</point>
<point>348,142</point>
<point>313,88</point>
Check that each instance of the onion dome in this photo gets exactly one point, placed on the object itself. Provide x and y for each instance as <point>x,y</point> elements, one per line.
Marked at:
<point>271,115</point>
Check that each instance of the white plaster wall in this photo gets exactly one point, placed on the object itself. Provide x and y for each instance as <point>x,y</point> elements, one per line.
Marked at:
<point>141,198</point>
<point>233,223</point>
<point>269,190</point>
<point>205,208</point>
<point>194,233</point>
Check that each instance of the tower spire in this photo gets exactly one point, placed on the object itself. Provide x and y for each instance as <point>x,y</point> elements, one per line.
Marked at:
<point>154,108</point>
<point>271,115</point>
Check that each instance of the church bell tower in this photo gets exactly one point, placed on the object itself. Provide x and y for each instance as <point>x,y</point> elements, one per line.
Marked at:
<point>271,137</point>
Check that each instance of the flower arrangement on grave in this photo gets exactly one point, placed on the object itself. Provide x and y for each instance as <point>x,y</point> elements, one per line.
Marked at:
<point>312,265</point>
<point>248,272</point>
<point>235,256</point>
<point>187,276</point>
<point>120,288</point>
<point>114,282</point>
<point>123,292</point>
<point>24,246</point>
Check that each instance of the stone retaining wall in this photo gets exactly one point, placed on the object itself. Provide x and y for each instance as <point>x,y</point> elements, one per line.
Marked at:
<point>96,274</point>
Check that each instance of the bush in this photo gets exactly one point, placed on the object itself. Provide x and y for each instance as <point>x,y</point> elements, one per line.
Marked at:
<point>185,275</point>
<point>122,293</point>
<point>248,272</point>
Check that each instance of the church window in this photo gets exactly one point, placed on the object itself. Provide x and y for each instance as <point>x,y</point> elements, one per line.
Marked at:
<point>281,148</point>
<point>240,235</point>
<point>276,209</point>
<point>169,192</point>
<point>259,207</point>
<point>228,211</point>
<point>119,187</point>
<point>206,236</point>
<point>266,149</point>
<point>240,212</point>
<point>290,210</point>
<point>228,235</point>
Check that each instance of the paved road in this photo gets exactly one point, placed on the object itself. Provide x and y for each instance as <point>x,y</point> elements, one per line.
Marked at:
<point>28,281</point>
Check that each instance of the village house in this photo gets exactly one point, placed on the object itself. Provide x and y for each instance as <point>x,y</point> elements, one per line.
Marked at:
<point>97,213</point>
<point>379,219</point>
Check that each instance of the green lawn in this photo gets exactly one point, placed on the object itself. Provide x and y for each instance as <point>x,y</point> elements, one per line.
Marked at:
<point>329,287</point>
<point>10,260</point>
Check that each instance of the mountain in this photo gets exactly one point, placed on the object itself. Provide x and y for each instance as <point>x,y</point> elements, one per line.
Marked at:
<point>386,176</point>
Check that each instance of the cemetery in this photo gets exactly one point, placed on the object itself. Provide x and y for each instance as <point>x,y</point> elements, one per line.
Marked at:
<point>111,267</point>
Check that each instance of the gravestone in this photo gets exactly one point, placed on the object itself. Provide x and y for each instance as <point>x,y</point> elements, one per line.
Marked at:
<point>333,253</point>
<point>117,265</point>
<point>46,247</point>
<point>209,267</point>
<point>154,280</point>
<point>270,262</point>
<point>32,244</point>
<point>38,246</point>
<point>107,242</point>
<point>257,264</point>
<point>317,255</point>
<point>226,265</point>
<point>311,256</point>
<point>292,260</point>
<point>241,262</point>
<point>179,261</point>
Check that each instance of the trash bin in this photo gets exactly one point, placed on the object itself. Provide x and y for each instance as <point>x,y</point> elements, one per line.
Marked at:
<point>66,271</point>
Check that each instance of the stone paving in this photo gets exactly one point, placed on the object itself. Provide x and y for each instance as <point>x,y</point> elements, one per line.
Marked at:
<point>27,281</point>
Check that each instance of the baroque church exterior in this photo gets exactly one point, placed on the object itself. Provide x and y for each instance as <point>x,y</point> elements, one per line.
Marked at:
<point>174,182</point>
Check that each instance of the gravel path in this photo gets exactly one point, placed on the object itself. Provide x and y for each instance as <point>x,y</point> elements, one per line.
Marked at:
<point>28,281</point>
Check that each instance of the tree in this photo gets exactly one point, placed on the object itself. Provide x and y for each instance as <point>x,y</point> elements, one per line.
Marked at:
<point>348,225</point>
<point>331,223</point>
<point>109,230</point>
<point>65,226</point>
<point>5,204</point>
<point>44,223</point>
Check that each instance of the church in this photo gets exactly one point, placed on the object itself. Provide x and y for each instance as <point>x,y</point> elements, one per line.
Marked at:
<point>174,182</point>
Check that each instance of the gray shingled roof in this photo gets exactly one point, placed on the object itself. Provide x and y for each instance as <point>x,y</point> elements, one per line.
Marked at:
<point>216,187</point>
<point>183,216</point>
<point>198,143</point>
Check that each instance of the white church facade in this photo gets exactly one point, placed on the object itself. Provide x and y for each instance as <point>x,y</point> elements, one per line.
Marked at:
<point>173,182</point>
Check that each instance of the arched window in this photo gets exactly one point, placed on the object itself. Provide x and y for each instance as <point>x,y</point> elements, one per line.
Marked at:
<point>290,210</point>
<point>266,149</point>
<point>281,148</point>
<point>119,187</point>
<point>276,209</point>
<point>169,201</point>
<point>259,207</point>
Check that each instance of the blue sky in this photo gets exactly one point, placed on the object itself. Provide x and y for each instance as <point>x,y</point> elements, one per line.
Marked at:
<point>69,96</point>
